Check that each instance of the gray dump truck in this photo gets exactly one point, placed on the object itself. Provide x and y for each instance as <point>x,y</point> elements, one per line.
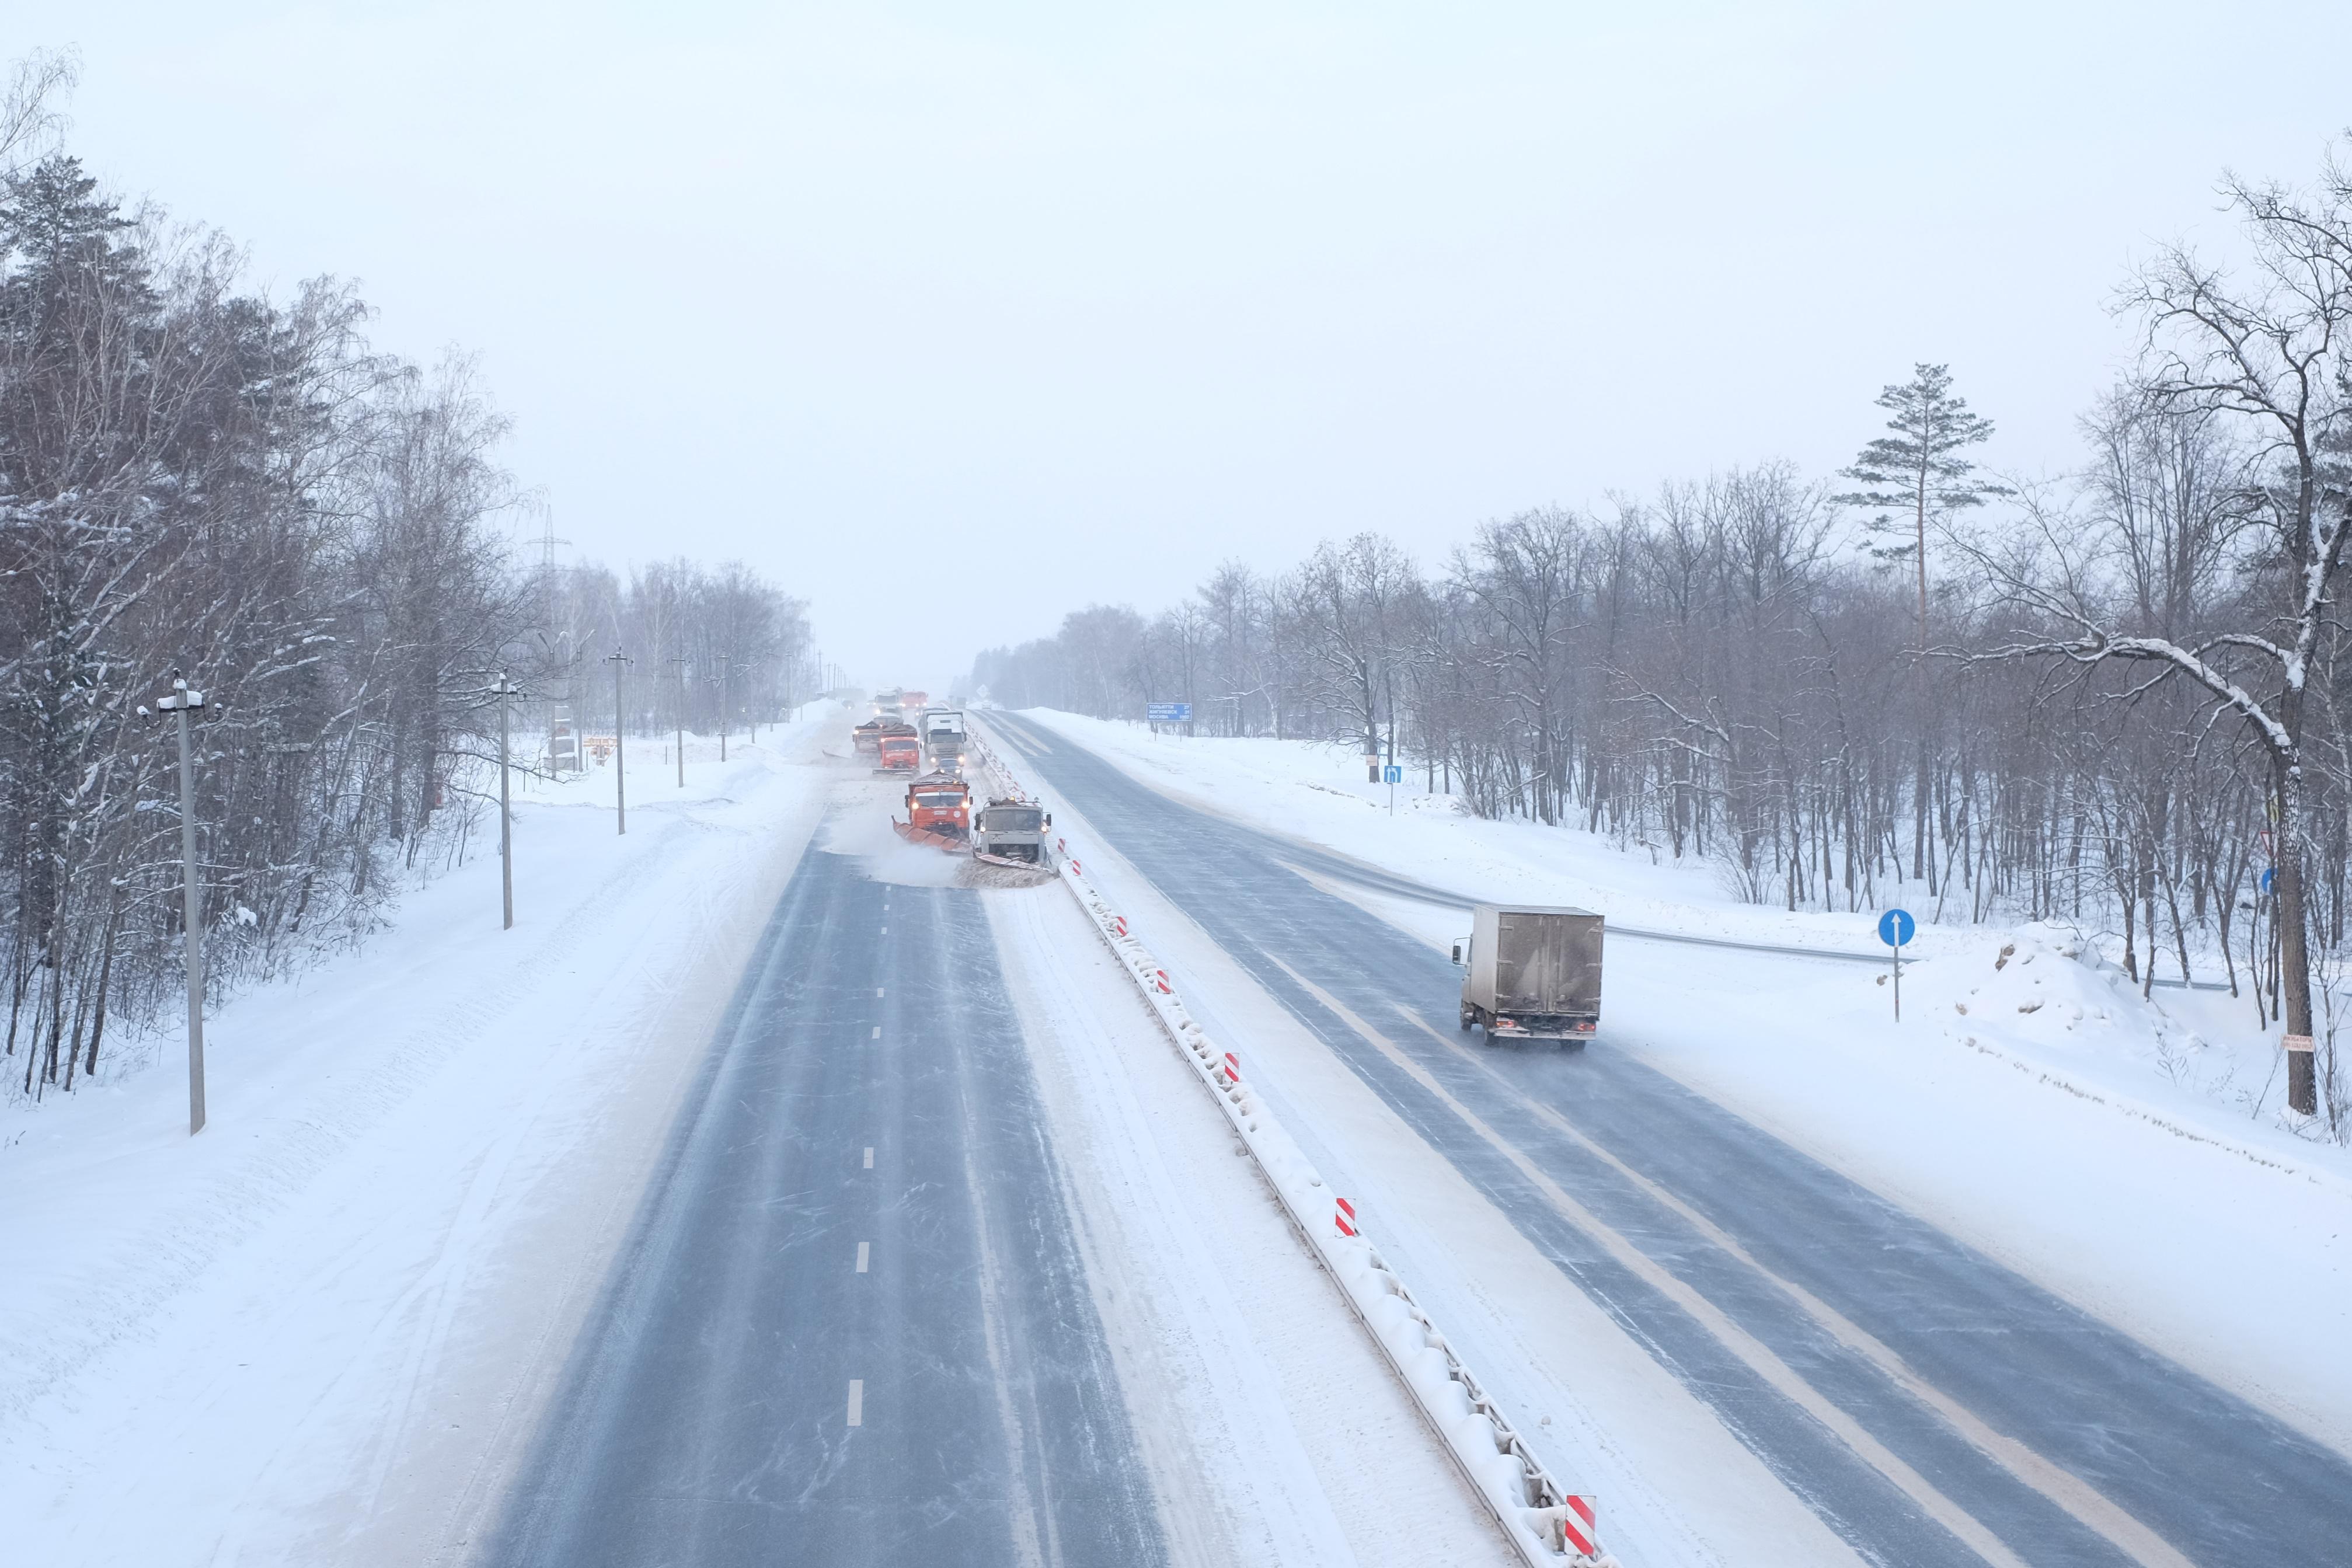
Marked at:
<point>1011,831</point>
<point>1531,973</point>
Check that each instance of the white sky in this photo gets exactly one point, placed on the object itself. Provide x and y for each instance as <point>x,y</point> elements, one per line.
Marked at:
<point>953,318</point>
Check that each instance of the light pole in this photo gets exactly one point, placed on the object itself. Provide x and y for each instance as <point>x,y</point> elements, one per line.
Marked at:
<point>616,659</point>
<point>192,914</point>
<point>506,689</point>
<point>679,659</point>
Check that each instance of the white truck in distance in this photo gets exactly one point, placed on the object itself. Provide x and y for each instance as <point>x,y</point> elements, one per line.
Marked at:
<point>1533,973</point>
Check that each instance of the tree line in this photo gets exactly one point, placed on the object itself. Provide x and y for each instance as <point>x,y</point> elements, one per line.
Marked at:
<point>200,480</point>
<point>2117,698</point>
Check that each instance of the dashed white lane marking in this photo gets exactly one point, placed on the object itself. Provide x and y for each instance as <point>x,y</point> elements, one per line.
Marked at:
<point>877,991</point>
<point>869,1159</point>
<point>886,930</point>
<point>861,1255</point>
<point>877,1033</point>
<point>858,1401</point>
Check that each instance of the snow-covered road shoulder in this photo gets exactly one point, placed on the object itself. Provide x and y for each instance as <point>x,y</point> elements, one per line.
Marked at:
<point>319,1330</point>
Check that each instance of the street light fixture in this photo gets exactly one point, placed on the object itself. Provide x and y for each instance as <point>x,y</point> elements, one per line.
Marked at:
<point>506,689</point>
<point>619,660</point>
<point>182,701</point>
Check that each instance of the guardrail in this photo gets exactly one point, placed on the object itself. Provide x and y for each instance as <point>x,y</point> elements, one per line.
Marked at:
<point>1549,1526</point>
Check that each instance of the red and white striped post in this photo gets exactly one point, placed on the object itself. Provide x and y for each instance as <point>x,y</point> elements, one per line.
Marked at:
<point>1578,1532</point>
<point>1344,1217</point>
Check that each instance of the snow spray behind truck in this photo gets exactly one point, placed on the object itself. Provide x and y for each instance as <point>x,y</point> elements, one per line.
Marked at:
<point>1533,973</point>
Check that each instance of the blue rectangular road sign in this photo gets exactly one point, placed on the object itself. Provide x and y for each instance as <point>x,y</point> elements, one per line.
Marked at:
<point>1169,713</point>
<point>1392,774</point>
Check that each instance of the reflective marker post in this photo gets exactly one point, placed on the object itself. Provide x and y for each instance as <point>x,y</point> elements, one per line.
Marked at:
<point>1897,927</point>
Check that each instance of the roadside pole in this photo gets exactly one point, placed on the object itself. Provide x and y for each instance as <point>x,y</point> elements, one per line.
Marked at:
<point>616,659</point>
<point>506,814</point>
<point>1393,775</point>
<point>1897,927</point>
<point>679,659</point>
<point>191,902</point>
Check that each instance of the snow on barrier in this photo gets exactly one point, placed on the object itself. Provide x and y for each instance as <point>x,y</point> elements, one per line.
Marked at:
<point>1545,1524</point>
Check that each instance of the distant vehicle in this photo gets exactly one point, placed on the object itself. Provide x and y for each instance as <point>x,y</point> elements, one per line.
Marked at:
<point>899,753</point>
<point>1532,973</point>
<point>918,701</point>
<point>943,737</point>
<point>1011,832</point>
<point>939,811</point>
<point>891,703</point>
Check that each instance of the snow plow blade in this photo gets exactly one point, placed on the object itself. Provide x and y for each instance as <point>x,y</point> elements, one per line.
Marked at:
<point>948,842</point>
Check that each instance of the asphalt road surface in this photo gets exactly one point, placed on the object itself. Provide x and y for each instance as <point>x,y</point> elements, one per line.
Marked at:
<point>851,1326</point>
<point>1931,1407</point>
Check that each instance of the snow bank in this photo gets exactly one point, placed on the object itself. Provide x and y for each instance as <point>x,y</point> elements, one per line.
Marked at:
<point>1543,1522</point>
<point>320,1331</point>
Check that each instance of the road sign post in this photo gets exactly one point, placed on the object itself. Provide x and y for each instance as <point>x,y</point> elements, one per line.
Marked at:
<point>1897,927</point>
<point>1392,775</point>
<point>1159,713</point>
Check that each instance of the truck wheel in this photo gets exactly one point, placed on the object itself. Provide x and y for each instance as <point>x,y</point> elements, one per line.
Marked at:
<point>1469,1016</point>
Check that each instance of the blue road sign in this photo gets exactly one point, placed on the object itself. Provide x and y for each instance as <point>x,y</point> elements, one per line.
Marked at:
<point>1168,712</point>
<point>1392,774</point>
<point>1897,927</point>
<point>2268,872</point>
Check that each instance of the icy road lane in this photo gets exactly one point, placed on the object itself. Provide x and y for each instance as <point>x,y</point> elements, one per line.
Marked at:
<point>854,1326</point>
<point>1929,1406</point>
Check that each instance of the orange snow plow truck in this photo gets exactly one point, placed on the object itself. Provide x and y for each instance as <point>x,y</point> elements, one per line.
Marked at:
<point>939,812</point>
<point>899,751</point>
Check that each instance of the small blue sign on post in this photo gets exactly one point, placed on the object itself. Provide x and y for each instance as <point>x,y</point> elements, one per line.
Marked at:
<point>2268,872</point>
<point>1392,774</point>
<point>1897,927</point>
<point>1168,712</point>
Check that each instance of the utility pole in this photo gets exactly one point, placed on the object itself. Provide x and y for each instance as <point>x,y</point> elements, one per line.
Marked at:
<point>616,659</point>
<point>506,689</point>
<point>720,680</point>
<point>191,901</point>
<point>679,659</point>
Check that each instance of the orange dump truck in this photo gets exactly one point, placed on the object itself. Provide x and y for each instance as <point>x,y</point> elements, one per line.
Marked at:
<point>939,811</point>
<point>899,753</point>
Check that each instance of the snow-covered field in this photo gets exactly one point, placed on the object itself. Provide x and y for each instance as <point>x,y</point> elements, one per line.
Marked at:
<point>317,1331</point>
<point>2116,1149</point>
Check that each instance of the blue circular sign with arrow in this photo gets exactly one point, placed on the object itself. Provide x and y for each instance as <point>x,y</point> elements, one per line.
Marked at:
<point>1897,927</point>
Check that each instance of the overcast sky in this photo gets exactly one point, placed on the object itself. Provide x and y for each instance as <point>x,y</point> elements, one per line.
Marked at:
<point>953,317</point>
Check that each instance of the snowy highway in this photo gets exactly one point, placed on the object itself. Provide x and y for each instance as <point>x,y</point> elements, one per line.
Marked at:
<point>854,1326</point>
<point>1928,1404</point>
